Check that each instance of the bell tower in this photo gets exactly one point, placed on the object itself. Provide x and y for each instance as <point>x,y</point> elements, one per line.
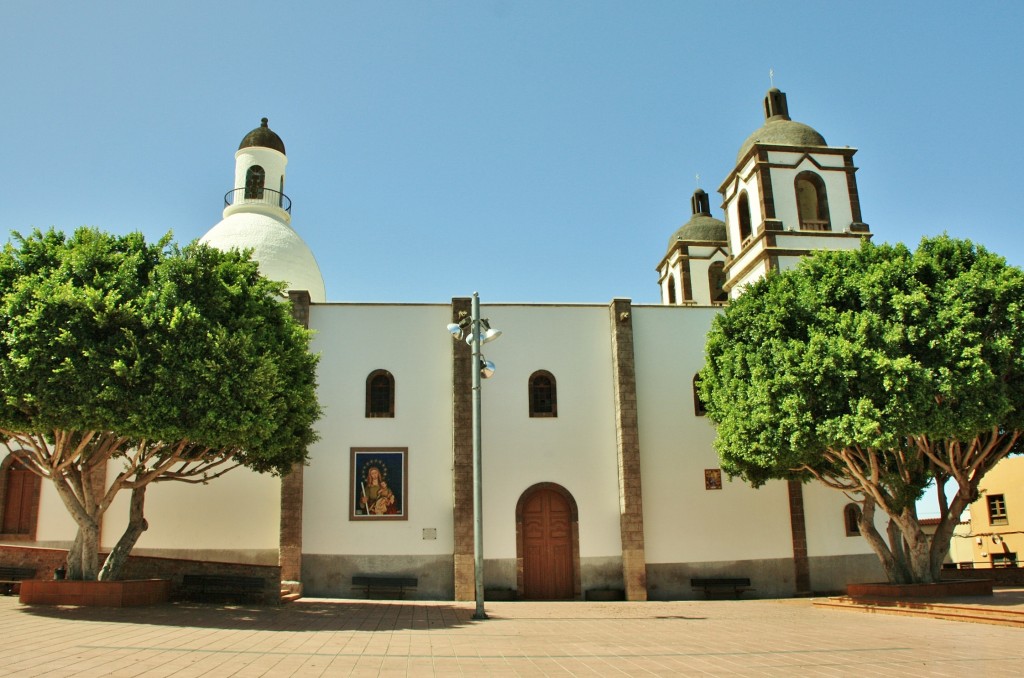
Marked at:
<point>789,194</point>
<point>692,272</point>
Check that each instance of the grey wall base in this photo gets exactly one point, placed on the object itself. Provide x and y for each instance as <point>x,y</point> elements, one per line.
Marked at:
<point>330,576</point>
<point>770,578</point>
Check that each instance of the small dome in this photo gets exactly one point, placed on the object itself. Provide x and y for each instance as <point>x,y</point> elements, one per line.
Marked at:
<point>264,137</point>
<point>779,128</point>
<point>783,133</point>
<point>282,254</point>
<point>702,227</point>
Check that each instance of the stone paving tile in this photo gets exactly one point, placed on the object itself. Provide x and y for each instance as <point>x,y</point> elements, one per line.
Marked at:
<point>407,638</point>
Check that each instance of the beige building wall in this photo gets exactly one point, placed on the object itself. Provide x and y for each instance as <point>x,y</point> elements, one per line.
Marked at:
<point>997,518</point>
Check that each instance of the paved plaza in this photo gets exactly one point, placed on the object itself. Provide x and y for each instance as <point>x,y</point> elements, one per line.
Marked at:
<point>315,637</point>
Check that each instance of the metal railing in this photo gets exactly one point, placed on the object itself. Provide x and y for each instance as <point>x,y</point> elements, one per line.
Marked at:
<point>260,196</point>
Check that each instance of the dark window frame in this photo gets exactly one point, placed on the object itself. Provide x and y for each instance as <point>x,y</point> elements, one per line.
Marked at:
<point>745,217</point>
<point>851,520</point>
<point>255,182</point>
<point>380,395</point>
<point>997,514</point>
<point>543,397</point>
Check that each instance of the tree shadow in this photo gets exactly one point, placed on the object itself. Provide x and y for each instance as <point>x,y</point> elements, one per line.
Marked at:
<point>301,615</point>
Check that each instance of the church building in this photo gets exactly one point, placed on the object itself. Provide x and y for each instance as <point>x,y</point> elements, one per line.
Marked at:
<point>598,470</point>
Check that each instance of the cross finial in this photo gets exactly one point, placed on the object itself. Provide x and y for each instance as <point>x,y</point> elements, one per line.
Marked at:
<point>698,180</point>
<point>771,76</point>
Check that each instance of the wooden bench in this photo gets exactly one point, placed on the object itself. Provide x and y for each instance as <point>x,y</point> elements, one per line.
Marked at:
<point>221,588</point>
<point>722,585</point>
<point>384,584</point>
<point>9,576</point>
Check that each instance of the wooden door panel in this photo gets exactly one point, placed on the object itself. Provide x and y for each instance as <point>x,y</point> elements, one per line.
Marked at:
<point>547,546</point>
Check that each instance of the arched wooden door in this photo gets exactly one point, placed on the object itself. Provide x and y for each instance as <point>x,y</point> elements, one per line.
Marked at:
<point>547,543</point>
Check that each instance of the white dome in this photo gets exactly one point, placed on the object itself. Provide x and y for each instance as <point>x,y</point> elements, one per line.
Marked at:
<point>281,253</point>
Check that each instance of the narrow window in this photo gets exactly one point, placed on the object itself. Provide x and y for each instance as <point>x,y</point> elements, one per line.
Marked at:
<point>812,202</point>
<point>851,519</point>
<point>380,394</point>
<point>716,283</point>
<point>543,399</point>
<point>254,181</point>
<point>743,207</point>
<point>672,290</point>
<point>698,404</point>
<point>997,509</point>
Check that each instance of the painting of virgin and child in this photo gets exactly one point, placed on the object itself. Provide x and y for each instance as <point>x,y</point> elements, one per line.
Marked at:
<point>379,488</point>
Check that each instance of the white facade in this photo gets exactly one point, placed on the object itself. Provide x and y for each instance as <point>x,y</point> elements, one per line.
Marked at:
<point>646,528</point>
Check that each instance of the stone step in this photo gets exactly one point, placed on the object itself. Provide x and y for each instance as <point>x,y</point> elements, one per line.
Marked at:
<point>978,614</point>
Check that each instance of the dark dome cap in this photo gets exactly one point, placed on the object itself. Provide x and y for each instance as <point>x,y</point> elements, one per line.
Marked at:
<point>263,137</point>
<point>702,227</point>
<point>779,128</point>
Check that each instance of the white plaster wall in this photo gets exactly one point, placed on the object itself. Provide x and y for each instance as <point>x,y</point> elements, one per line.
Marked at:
<point>826,530</point>
<point>577,449</point>
<point>411,342</point>
<point>240,511</point>
<point>684,522</point>
<point>55,525</point>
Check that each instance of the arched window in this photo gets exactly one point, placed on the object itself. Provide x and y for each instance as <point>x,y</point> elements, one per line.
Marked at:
<point>19,500</point>
<point>743,207</point>
<point>716,283</point>
<point>698,405</point>
<point>812,202</point>
<point>543,399</point>
<point>380,394</point>
<point>851,520</point>
<point>672,289</point>
<point>255,178</point>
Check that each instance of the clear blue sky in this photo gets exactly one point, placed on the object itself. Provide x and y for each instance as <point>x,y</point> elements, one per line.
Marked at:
<point>535,151</point>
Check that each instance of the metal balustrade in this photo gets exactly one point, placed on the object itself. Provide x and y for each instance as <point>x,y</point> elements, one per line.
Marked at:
<point>260,196</point>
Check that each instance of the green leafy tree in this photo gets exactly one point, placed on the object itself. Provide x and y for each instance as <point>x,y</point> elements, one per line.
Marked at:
<point>875,371</point>
<point>124,363</point>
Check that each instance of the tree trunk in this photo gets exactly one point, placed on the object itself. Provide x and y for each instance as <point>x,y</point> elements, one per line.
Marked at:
<point>866,524</point>
<point>136,526</point>
<point>74,562</point>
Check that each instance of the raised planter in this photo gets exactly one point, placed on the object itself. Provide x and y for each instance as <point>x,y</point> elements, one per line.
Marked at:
<point>128,593</point>
<point>941,589</point>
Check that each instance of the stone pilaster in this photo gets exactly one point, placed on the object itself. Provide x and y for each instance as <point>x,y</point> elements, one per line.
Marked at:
<point>290,542</point>
<point>462,461</point>
<point>631,508</point>
<point>801,561</point>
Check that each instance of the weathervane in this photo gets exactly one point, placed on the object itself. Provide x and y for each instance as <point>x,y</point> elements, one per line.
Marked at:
<point>698,180</point>
<point>771,76</point>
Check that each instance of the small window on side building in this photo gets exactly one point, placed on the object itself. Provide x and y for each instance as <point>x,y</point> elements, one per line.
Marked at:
<point>997,509</point>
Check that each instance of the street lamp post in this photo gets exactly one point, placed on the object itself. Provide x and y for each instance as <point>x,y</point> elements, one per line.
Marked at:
<point>479,332</point>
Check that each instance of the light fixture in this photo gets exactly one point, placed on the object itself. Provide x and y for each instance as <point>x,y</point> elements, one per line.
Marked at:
<point>487,333</point>
<point>477,331</point>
